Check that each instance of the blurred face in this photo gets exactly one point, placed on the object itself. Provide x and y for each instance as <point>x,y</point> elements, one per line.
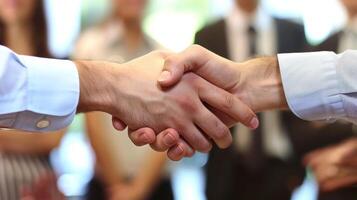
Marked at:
<point>129,9</point>
<point>14,11</point>
<point>351,6</point>
<point>248,6</point>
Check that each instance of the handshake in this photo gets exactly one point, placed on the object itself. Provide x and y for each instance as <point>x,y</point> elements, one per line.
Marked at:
<point>181,103</point>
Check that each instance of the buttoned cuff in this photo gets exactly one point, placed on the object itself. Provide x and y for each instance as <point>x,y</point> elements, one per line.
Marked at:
<point>52,94</point>
<point>311,85</point>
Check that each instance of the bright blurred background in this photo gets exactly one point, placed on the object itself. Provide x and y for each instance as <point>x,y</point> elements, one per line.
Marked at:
<point>173,23</point>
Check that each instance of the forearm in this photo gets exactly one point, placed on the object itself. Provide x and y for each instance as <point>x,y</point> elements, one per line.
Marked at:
<point>260,84</point>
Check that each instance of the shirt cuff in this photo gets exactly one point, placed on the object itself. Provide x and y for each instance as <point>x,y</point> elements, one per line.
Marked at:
<point>311,85</point>
<point>52,94</point>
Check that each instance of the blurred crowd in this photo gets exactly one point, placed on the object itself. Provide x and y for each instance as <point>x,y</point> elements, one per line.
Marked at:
<point>267,163</point>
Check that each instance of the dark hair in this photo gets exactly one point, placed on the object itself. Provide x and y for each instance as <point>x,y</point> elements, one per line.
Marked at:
<point>38,20</point>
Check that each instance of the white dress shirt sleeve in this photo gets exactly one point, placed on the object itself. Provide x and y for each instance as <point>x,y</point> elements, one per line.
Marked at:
<point>321,85</point>
<point>36,94</point>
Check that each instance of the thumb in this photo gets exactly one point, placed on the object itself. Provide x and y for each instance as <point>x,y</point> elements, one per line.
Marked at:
<point>191,59</point>
<point>171,74</point>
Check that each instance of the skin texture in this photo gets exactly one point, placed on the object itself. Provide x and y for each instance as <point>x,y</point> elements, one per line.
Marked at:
<point>256,82</point>
<point>335,166</point>
<point>130,92</point>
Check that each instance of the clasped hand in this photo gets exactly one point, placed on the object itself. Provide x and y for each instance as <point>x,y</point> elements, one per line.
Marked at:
<point>167,104</point>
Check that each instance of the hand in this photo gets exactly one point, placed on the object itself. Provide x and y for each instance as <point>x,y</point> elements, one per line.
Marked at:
<point>256,82</point>
<point>335,166</point>
<point>130,93</point>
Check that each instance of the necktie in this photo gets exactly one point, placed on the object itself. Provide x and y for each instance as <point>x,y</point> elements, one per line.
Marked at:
<point>252,35</point>
<point>255,152</point>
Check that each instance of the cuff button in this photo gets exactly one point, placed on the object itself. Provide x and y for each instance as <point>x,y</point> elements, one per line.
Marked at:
<point>43,123</point>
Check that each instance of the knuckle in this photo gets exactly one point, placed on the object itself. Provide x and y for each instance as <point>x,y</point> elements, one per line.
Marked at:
<point>193,80</point>
<point>221,132</point>
<point>228,102</point>
<point>193,140</point>
<point>169,61</point>
<point>187,104</point>
<point>204,145</point>
<point>246,117</point>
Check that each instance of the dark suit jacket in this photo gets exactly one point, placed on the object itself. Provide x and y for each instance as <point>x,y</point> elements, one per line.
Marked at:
<point>226,177</point>
<point>330,44</point>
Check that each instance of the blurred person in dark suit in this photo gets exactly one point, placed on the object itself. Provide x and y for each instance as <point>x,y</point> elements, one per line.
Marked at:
<point>335,166</point>
<point>24,157</point>
<point>123,171</point>
<point>265,164</point>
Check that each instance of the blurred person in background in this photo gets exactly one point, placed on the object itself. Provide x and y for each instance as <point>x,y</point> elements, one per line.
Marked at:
<point>335,167</point>
<point>123,171</point>
<point>24,157</point>
<point>269,159</point>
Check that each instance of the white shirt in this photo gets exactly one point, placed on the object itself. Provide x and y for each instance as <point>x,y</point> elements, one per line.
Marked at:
<point>275,141</point>
<point>238,39</point>
<point>321,85</point>
<point>36,94</point>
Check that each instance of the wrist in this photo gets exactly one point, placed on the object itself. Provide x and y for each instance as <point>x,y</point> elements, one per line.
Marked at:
<point>95,86</point>
<point>263,84</point>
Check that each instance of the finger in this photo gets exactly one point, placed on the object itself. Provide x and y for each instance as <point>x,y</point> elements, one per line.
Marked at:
<point>229,104</point>
<point>165,140</point>
<point>175,66</point>
<point>180,150</point>
<point>118,124</point>
<point>202,62</point>
<point>213,127</point>
<point>142,136</point>
<point>195,138</point>
<point>189,150</point>
<point>335,184</point>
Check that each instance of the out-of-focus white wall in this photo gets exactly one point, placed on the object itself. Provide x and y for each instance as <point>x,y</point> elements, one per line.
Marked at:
<point>64,25</point>
<point>320,17</point>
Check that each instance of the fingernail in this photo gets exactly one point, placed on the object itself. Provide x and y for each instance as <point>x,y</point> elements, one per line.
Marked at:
<point>254,123</point>
<point>179,150</point>
<point>169,139</point>
<point>165,75</point>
